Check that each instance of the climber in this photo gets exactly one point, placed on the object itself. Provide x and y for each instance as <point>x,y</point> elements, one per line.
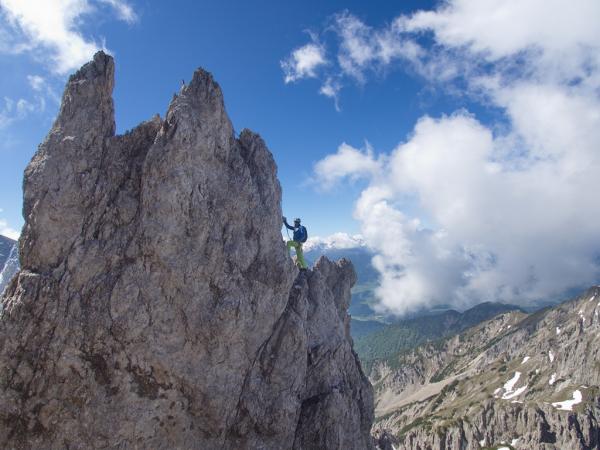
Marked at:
<point>300,236</point>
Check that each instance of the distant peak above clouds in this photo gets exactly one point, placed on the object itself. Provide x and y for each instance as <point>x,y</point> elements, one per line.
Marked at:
<point>336,241</point>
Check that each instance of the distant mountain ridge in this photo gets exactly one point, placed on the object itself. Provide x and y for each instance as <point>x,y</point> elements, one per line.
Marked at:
<point>9,260</point>
<point>519,381</point>
<point>6,245</point>
<point>387,343</point>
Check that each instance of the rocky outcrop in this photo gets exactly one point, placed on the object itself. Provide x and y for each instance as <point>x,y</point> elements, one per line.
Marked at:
<point>541,427</point>
<point>156,306</point>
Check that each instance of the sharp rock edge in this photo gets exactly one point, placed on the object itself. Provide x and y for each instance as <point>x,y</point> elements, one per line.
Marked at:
<point>156,306</point>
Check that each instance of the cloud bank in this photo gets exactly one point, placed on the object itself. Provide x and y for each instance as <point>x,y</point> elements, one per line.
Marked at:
<point>337,241</point>
<point>464,211</point>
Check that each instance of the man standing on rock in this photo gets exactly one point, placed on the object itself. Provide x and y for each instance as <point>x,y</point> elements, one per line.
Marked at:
<point>300,236</point>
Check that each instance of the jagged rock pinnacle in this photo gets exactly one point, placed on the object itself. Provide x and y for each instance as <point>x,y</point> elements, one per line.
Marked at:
<point>156,306</point>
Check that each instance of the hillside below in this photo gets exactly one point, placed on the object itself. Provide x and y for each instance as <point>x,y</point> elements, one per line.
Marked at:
<point>387,343</point>
<point>519,381</point>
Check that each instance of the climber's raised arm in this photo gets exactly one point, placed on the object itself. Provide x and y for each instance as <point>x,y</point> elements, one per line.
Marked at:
<point>287,225</point>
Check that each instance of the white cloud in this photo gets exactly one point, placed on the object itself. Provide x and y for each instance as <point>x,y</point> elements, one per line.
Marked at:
<point>14,110</point>
<point>52,24</point>
<point>465,211</point>
<point>347,162</point>
<point>501,29</point>
<point>23,107</point>
<point>7,231</point>
<point>36,82</point>
<point>303,62</point>
<point>51,30</point>
<point>43,89</point>
<point>339,241</point>
<point>331,88</point>
<point>549,40</point>
<point>6,112</point>
<point>124,11</point>
<point>494,232</point>
<point>363,48</point>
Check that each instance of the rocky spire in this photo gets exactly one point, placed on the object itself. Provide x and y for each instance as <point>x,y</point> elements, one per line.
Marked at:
<point>62,178</point>
<point>156,306</point>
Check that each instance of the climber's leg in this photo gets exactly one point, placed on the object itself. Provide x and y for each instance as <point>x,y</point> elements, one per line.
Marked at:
<point>290,244</point>
<point>300,255</point>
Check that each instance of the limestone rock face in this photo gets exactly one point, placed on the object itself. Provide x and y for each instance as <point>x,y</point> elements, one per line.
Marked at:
<point>156,306</point>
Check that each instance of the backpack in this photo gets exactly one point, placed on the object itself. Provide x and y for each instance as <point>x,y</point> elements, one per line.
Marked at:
<point>304,234</point>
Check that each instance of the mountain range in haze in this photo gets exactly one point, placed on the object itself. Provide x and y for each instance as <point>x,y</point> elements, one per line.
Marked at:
<point>9,260</point>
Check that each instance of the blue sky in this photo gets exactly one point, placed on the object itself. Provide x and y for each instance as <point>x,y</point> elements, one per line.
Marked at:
<point>459,139</point>
<point>242,44</point>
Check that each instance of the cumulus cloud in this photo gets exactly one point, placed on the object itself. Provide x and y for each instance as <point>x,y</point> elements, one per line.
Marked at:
<point>497,30</point>
<point>51,29</point>
<point>464,211</point>
<point>346,162</point>
<point>303,62</point>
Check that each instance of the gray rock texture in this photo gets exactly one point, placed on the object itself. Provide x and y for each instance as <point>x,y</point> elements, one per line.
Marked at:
<point>156,306</point>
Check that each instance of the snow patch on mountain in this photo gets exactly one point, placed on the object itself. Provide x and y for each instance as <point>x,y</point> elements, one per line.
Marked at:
<point>567,405</point>
<point>510,384</point>
<point>509,388</point>
<point>519,391</point>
